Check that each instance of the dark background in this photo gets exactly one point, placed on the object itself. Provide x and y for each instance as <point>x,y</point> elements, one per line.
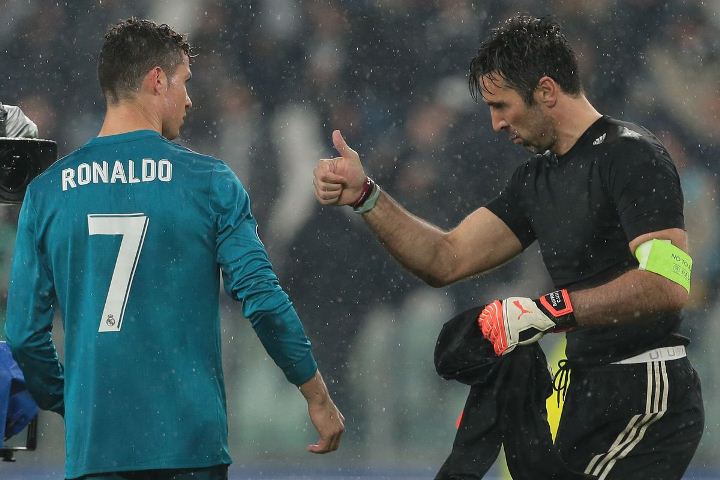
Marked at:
<point>273,78</point>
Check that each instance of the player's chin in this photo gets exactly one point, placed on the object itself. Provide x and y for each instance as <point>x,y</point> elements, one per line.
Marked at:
<point>171,133</point>
<point>534,149</point>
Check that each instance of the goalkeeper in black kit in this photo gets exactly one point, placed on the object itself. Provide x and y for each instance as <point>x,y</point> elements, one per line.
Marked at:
<point>603,200</point>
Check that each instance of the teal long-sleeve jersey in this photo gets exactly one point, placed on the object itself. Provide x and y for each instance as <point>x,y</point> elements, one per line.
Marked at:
<point>127,237</point>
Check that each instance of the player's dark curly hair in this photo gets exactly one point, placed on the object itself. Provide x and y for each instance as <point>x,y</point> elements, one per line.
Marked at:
<point>133,47</point>
<point>522,50</point>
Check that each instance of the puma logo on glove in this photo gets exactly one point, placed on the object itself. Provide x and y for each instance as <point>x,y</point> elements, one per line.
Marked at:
<point>522,310</point>
<point>521,321</point>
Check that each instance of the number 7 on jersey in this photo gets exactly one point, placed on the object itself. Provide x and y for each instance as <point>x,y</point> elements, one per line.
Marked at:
<point>132,227</point>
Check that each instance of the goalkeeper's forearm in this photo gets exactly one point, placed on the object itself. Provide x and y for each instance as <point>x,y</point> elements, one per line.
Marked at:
<point>418,245</point>
<point>633,297</point>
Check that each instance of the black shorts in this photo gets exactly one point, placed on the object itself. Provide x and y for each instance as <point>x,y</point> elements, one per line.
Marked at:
<point>632,421</point>
<point>218,472</point>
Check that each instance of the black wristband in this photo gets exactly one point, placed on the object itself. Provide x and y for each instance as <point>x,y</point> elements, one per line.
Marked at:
<point>558,307</point>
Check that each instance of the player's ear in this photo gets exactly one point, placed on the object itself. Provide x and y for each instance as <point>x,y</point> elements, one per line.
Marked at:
<point>155,80</point>
<point>546,92</point>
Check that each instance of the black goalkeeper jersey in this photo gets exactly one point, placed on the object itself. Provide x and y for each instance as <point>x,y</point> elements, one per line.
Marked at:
<point>617,182</point>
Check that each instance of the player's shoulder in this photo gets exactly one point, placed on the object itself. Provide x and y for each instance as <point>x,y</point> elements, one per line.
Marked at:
<point>526,171</point>
<point>629,142</point>
<point>530,166</point>
<point>47,175</point>
<point>183,151</point>
<point>157,146</point>
<point>154,146</point>
<point>216,165</point>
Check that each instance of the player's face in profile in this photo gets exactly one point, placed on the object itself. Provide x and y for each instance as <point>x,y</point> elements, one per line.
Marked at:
<point>524,124</point>
<point>177,100</point>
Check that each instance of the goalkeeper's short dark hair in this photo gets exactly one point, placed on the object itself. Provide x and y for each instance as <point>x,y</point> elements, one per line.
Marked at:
<point>133,47</point>
<point>522,50</point>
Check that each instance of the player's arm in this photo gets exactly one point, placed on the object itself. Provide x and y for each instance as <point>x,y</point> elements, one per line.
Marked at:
<point>479,243</point>
<point>326,417</point>
<point>248,277</point>
<point>30,310</point>
<point>633,297</point>
<point>645,187</point>
<point>637,294</point>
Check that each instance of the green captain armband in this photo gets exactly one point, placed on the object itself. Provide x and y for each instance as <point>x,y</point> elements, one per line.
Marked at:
<point>664,258</point>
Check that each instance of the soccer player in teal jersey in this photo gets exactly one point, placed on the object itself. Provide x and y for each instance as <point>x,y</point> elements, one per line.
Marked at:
<point>126,237</point>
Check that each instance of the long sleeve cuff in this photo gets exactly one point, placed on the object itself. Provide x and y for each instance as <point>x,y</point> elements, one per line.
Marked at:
<point>301,371</point>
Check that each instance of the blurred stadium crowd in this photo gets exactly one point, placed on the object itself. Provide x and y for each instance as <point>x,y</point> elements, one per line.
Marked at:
<point>273,78</point>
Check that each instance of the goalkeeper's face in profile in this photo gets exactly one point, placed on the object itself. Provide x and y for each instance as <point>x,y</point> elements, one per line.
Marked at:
<point>524,123</point>
<point>523,71</point>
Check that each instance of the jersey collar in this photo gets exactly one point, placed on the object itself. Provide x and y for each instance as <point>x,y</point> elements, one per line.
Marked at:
<point>595,130</point>
<point>123,137</point>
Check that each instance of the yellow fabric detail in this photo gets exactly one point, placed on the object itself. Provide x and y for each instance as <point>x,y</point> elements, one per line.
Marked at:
<point>665,259</point>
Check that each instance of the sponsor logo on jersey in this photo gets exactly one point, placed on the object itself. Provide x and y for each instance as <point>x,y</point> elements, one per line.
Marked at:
<point>130,171</point>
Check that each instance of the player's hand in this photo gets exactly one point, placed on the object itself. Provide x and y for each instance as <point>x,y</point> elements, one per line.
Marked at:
<point>339,180</point>
<point>522,321</point>
<point>325,416</point>
<point>329,423</point>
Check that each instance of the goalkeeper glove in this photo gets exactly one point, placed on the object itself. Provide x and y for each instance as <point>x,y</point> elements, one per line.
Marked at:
<point>521,321</point>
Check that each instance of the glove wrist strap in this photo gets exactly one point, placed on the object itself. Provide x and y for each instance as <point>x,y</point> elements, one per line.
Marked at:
<point>559,308</point>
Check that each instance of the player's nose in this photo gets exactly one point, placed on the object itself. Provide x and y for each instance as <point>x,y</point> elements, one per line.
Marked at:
<point>498,123</point>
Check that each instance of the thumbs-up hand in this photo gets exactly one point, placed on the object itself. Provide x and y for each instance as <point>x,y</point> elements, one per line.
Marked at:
<point>339,180</point>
